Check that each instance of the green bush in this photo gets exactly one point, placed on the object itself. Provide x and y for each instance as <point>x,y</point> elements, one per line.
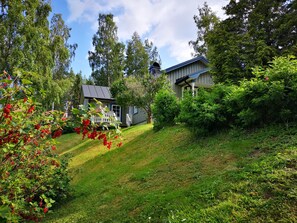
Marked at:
<point>165,109</point>
<point>270,97</point>
<point>205,112</point>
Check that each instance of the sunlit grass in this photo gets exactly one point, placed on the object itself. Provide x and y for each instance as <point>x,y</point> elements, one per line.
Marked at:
<point>155,176</point>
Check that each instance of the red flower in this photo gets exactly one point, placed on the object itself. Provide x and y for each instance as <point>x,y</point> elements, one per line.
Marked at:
<point>6,109</point>
<point>86,122</point>
<point>119,144</point>
<point>31,109</point>
<point>101,136</point>
<point>57,133</point>
<point>105,141</point>
<point>77,130</point>
<point>25,99</point>
<point>109,145</point>
<point>85,132</point>
<point>92,135</point>
<point>116,137</point>
<point>54,147</point>
<point>45,210</point>
<point>37,126</point>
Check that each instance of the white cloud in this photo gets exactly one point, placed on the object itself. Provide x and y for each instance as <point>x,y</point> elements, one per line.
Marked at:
<point>169,23</point>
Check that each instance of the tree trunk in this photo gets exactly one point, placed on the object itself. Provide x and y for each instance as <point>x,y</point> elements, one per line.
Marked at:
<point>149,116</point>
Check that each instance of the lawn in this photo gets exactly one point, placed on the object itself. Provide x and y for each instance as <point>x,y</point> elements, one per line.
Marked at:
<point>172,176</point>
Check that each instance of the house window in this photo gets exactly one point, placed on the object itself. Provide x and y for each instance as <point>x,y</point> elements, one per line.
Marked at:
<point>135,110</point>
<point>117,110</point>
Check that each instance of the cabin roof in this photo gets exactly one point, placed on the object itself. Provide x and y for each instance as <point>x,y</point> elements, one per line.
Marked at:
<point>98,92</point>
<point>183,64</point>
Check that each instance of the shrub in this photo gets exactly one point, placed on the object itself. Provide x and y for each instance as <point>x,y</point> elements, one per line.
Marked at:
<point>205,112</point>
<point>165,109</point>
<point>270,97</point>
<point>32,175</point>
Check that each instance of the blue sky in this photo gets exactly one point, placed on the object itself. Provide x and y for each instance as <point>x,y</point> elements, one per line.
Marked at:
<point>168,23</point>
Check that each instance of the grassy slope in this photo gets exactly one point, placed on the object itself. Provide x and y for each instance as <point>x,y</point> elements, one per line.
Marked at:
<point>169,175</point>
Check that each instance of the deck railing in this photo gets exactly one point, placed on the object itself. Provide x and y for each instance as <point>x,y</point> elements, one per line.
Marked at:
<point>106,118</point>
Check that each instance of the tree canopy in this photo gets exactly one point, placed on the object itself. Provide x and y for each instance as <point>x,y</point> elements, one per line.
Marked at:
<point>253,33</point>
<point>107,58</point>
<point>29,42</point>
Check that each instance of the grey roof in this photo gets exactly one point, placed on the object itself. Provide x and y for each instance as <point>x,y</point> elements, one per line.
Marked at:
<point>183,64</point>
<point>99,92</point>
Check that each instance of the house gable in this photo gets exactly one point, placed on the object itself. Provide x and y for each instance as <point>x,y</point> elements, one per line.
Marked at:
<point>183,74</point>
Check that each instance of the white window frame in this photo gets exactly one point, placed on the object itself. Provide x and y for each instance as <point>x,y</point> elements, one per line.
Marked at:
<point>120,110</point>
<point>135,110</point>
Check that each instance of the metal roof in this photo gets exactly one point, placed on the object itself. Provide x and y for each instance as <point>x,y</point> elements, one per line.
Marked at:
<point>183,64</point>
<point>99,92</point>
<point>193,76</point>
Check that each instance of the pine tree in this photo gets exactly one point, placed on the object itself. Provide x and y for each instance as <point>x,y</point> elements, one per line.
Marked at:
<point>253,33</point>
<point>205,22</point>
<point>137,58</point>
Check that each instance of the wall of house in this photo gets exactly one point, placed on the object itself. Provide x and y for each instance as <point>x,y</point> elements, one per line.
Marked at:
<point>204,80</point>
<point>184,71</point>
<point>139,117</point>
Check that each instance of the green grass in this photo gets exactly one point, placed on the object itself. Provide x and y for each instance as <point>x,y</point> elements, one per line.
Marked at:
<point>171,176</point>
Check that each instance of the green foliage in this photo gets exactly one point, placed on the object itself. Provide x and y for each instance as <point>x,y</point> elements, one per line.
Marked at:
<point>24,36</point>
<point>32,176</point>
<point>205,112</point>
<point>205,22</point>
<point>28,42</point>
<point>165,109</point>
<point>140,92</point>
<point>152,52</point>
<point>252,34</point>
<point>62,51</point>
<point>137,58</point>
<point>108,57</point>
<point>267,98</point>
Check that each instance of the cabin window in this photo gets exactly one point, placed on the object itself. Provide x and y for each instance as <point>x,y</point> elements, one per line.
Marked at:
<point>117,110</point>
<point>135,110</point>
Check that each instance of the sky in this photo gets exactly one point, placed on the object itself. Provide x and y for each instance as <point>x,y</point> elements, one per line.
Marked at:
<point>169,24</point>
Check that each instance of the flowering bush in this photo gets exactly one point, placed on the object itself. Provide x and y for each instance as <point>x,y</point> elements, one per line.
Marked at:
<point>32,175</point>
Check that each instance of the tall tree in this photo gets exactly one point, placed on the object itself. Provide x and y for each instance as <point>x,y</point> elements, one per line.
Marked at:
<point>62,51</point>
<point>24,35</point>
<point>28,43</point>
<point>205,22</point>
<point>152,52</point>
<point>137,58</point>
<point>107,58</point>
<point>76,90</point>
<point>253,33</point>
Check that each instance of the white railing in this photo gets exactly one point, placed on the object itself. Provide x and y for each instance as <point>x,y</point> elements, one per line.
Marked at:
<point>106,118</point>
